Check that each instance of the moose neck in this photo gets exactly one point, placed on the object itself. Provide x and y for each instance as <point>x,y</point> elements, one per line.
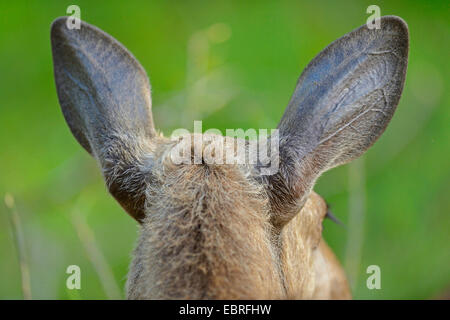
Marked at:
<point>206,235</point>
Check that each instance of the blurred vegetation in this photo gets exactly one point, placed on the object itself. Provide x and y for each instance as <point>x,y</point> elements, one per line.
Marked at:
<point>233,64</point>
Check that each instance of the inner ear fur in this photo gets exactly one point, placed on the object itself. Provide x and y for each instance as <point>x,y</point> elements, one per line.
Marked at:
<point>342,103</point>
<point>104,95</point>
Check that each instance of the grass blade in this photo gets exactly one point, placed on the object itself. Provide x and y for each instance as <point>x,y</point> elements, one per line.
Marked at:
<point>19,240</point>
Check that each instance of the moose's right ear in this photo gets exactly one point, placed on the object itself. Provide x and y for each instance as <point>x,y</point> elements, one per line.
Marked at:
<point>104,95</point>
<point>343,101</point>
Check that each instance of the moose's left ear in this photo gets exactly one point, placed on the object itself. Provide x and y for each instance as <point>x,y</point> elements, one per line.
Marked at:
<point>343,101</point>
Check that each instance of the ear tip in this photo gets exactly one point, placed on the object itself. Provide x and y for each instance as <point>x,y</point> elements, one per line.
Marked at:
<point>58,25</point>
<point>398,23</point>
<point>58,21</point>
<point>395,20</point>
<point>59,28</point>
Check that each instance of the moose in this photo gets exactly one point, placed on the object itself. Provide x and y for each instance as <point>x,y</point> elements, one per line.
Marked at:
<point>224,231</point>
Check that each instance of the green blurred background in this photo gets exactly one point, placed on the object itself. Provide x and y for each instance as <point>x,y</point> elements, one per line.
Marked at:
<point>233,64</point>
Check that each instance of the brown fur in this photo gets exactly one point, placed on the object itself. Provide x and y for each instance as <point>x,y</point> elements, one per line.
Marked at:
<point>199,241</point>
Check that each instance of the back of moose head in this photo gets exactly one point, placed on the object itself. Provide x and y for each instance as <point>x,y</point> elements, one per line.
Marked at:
<point>218,230</point>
